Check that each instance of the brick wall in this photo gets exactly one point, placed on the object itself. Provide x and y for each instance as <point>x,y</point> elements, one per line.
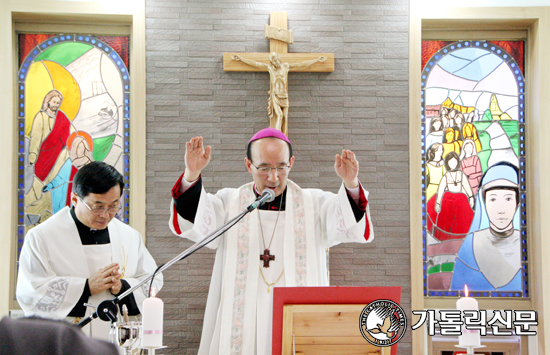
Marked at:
<point>362,106</point>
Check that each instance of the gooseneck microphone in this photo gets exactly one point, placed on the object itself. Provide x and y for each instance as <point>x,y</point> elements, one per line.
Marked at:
<point>268,195</point>
<point>107,310</point>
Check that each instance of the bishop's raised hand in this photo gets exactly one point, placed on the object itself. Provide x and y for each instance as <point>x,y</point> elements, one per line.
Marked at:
<point>347,168</point>
<point>197,158</point>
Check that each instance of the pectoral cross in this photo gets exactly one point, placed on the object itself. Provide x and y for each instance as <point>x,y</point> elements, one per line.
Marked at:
<point>266,257</point>
<point>280,37</point>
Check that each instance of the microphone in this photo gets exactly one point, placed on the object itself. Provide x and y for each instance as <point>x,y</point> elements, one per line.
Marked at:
<point>267,196</point>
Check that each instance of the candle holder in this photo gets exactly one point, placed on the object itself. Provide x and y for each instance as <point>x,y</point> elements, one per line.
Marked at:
<point>470,348</point>
<point>127,335</point>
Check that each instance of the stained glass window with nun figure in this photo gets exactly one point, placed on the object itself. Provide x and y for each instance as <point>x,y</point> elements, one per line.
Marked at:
<point>473,169</point>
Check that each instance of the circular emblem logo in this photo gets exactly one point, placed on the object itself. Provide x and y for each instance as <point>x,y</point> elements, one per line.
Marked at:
<point>382,323</point>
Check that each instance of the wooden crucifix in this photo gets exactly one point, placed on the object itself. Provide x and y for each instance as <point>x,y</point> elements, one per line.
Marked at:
<point>278,62</point>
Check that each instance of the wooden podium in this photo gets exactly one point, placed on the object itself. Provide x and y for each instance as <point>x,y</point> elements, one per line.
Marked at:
<point>325,320</point>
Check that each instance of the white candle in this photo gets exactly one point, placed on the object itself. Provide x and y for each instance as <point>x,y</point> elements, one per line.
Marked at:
<point>469,337</point>
<point>152,316</point>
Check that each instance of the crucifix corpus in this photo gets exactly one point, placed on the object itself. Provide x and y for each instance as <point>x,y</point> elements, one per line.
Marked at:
<point>278,62</point>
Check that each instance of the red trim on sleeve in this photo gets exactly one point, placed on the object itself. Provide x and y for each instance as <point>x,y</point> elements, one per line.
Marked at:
<point>367,228</point>
<point>175,223</point>
<point>177,187</point>
<point>362,200</point>
<point>363,206</point>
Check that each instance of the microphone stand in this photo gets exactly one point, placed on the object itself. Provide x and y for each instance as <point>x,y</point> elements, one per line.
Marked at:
<point>107,310</point>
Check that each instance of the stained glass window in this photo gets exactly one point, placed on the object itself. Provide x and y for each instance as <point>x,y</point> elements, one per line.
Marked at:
<point>473,169</point>
<point>74,108</point>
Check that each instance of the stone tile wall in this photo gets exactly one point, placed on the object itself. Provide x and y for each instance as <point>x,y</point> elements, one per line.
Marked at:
<point>362,106</point>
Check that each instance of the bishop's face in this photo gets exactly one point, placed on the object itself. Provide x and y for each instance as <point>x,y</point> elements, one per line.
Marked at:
<point>269,153</point>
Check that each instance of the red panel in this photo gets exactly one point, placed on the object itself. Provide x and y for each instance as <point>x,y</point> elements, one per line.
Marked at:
<point>27,42</point>
<point>429,48</point>
<point>325,295</point>
<point>121,45</point>
<point>514,48</point>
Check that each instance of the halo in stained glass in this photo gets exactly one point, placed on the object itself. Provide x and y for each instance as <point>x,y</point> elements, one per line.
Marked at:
<point>87,123</point>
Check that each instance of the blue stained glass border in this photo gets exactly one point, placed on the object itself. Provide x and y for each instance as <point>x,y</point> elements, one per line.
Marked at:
<point>509,60</point>
<point>22,75</point>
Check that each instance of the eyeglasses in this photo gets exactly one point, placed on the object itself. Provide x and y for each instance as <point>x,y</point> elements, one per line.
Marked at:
<point>266,170</point>
<point>101,210</point>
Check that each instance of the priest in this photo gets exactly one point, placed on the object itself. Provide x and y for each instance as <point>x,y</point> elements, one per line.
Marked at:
<point>84,255</point>
<point>283,243</point>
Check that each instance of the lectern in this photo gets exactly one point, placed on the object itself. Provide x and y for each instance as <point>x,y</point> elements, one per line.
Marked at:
<point>325,320</point>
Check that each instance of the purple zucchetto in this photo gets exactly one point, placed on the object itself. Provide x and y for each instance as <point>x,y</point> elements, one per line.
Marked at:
<point>269,132</point>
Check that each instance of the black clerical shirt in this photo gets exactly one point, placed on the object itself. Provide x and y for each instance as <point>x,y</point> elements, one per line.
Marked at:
<point>89,236</point>
<point>188,202</point>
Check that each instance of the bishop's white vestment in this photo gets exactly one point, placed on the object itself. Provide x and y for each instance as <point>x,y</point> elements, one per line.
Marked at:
<point>238,314</point>
<point>54,267</point>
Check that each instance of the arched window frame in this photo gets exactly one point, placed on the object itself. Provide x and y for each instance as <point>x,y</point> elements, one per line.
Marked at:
<point>126,17</point>
<point>22,118</point>
<point>520,82</point>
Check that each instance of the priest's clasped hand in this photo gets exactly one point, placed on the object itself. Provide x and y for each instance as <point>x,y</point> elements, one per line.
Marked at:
<point>196,158</point>
<point>105,279</point>
<point>347,168</point>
